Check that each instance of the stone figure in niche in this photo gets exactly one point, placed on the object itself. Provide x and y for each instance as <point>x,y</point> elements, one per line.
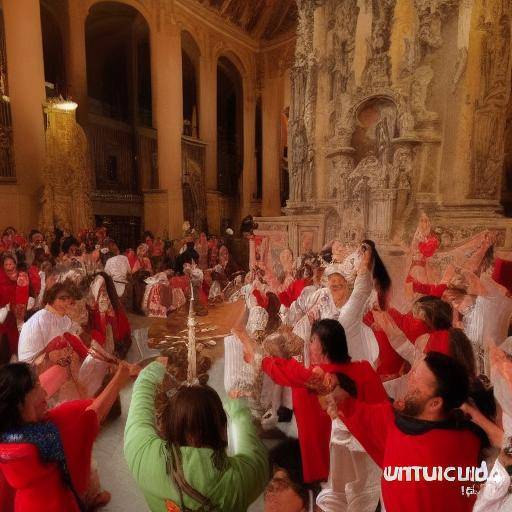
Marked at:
<point>400,179</point>
<point>431,14</point>
<point>420,87</point>
<point>376,126</point>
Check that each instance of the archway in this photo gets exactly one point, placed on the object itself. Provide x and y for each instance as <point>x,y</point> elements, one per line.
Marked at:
<point>190,66</point>
<point>53,50</point>
<point>229,133</point>
<point>122,142</point>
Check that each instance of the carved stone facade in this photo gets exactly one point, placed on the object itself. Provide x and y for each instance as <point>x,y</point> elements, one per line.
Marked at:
<point>66,194</point>
<point>385,127</point>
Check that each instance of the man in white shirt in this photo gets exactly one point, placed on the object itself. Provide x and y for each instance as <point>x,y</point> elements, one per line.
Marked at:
<point>118,267</point>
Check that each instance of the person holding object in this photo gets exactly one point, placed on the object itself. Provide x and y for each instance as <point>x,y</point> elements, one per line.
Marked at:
<point>45,455</point>
<point>186,467</point>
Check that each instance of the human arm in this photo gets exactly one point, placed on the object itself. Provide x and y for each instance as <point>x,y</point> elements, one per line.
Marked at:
<point>287,372</point>
<point>352,311</point>
<point>249,460</point>
<point>144,450</point>
<point>397,338</point>
<point>104,401</point>
<point>494,433</point>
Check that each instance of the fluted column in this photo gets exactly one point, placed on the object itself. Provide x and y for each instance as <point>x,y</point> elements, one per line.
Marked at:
<point>76,58</point>
<point>27,94</point>
<point>208,116</point>
<point>272,105</point>
<point>166,72</point>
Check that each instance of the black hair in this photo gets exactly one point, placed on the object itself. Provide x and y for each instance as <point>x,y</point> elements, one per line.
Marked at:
<point>32,233</point>
<point>16,381</point>
<point>381,278</point>
<point>452,380</point>
<point>68,242</point>
<point>333,340</point>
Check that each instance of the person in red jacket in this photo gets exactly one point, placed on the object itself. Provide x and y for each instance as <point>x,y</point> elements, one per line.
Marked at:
<point>45,455</point>
<point>420,437</point>
<point>329,354</point>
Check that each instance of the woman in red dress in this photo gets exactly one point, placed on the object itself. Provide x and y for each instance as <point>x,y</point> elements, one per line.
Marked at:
<point>45,455</point>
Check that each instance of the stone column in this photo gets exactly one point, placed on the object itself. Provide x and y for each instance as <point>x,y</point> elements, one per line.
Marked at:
<point>76,62</point>
<point>249,170</point>
<point>271,107</point>
<point>166,74</point>
<point>27,95</point>
<point>208,116</point>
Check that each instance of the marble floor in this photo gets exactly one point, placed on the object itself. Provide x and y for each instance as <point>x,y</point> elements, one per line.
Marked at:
<point>114,474</point>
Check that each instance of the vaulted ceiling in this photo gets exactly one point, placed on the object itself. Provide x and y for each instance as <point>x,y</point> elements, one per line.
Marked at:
<point>262,19</point>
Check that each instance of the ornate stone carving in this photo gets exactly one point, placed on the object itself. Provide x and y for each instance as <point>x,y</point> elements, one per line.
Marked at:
<point>65,199</point>
<point>377,71</point>
<point>489,121</point>
<point>303,106</point>
<point>420,86</point>
<point>431,14</point>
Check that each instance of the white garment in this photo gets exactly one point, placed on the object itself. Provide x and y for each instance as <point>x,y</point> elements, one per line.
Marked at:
<point>39,299</point>
<point>362,345</point>
<point>118,268</point>
<point>304,302</point>
<point>39,330</point>
<point>354,479</point>
<point>494,496</point>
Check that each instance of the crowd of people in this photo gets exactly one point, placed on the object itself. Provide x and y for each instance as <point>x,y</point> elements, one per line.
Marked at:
<point>395,390</point>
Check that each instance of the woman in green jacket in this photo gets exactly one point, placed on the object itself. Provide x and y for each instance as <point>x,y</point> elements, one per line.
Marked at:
<point>189,469</point>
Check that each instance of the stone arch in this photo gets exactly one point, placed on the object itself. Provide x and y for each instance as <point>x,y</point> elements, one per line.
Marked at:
<point>136,4</point>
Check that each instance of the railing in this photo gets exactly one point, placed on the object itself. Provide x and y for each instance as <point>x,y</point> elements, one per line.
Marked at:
<point>123,158</point>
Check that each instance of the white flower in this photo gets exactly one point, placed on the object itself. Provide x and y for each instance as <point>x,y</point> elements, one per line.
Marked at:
<point>229,232</point>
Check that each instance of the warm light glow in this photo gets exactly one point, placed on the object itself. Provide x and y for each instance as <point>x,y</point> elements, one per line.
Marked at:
<point>65,105</point>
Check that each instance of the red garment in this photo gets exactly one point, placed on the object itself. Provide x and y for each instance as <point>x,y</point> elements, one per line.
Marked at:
<point>439,341</point>
<point>14,295</point>
<point>390,447</point>
<point>502,273</point>
<point>313,423</point>
<point>261,299</point>
<point>66,340</point>
<point>429,246</point>
<point>412,327</point>
<point>39,487</point>
<point>390,363</point>
<point>291,294</point>
<point>436,290</point>
<point>121,329</point>
<point>35,280</point>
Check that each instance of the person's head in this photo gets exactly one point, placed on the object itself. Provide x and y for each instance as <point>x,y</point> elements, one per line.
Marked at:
<point>436,313</point>
<point>436,386</point>
<point>223,252</point>
<point>22,399</point>
<point>286,258</point>
<point>194,416</point>
<point>36,238</point>
<point>60,296</point>
<point>456,297</point>
<point>328,342</point>
<point>7,236</point>
<point>9,264</point>
<point>286,491</point>
<point>70,246</point>
<point>338,286</point>
<point>113,248</point>
<point>337,248</point>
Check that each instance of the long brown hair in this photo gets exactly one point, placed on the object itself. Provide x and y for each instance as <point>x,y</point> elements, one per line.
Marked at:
<point>194,416</point>
<point>439,317</point>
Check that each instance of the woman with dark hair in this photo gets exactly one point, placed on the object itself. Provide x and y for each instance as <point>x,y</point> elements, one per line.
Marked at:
<point>328,354</point>
<point>45,455</point>
<point>16,288</point>
<point>185,467</point>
